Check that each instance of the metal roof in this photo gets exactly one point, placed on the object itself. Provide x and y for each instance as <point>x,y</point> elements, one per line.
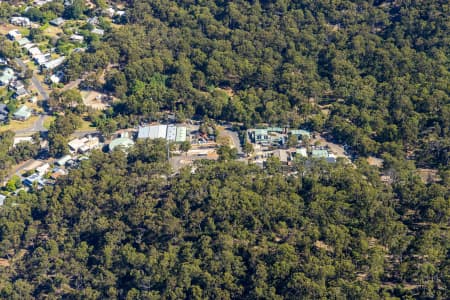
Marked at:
<point>171,133</point>
<point>319,153</point>
<point>181,134</point>
<point>300,132</point>
<point>23,112</point>
<point>123,142</point>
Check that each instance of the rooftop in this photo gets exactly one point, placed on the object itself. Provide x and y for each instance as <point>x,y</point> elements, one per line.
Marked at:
<point>319,153</point>
<point>6,75</point>
<point>122,142</point>
<point>23,112</point>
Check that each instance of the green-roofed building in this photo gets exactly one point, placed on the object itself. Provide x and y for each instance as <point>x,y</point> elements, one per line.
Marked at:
<point>181,134</point>
<point>22,114</point>
<point>300,133</point>
<point>275,129</point>
<point>317,153</point>
<point>260,136</point>
<point>122,143</point>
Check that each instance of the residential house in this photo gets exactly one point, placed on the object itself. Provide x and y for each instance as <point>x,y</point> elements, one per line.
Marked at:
<point>53,64</point>
<point>30,180</point>
<point>22,114</point>
<point>301,152</point>
<point>63,160</point>
<point>57,172</point>
<point>14,35</point>
<point>23,41</point>
<point>6,76</point>
<point>42,58</point>
<point>300,133</point>
<point>19,93</point>
<point>93,21</point>
<point>98,31</point>
<point>34,51</point>
<point>20,139</point>
<point>77,38</point>
<point>20,21</point>
<point>18,88</point>
<point>57,22</point>
<point>282,155</point>
<point>85,144</point>
<point>42,170</point>
<point>110,12</point>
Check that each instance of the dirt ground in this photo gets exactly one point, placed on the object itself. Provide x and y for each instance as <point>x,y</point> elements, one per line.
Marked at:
<point>93,99</point>
<point>336,149</point>
<point>373,161</point>
<point>428,175</point>
<point>5,28</point>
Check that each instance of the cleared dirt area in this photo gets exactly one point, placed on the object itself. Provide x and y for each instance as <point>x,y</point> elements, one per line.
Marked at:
<point>336,149</point>
<point>5,28</point>
<point>94,100</point>
<point>374,161</point>
<point>428,175</point>
<point>52,31</point>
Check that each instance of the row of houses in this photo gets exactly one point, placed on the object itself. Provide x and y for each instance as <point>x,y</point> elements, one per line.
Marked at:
<point>44,60</point>
<point>287,156</point>
<point>276,135</point>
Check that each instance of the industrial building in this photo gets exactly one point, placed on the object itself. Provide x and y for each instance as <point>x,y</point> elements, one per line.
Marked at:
<point>170,133</point>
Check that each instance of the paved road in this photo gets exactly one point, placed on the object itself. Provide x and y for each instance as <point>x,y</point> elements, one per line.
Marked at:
<point>38,126</point>
<point>233,135</point>
<point>81,133</point>
<point>37,84</point>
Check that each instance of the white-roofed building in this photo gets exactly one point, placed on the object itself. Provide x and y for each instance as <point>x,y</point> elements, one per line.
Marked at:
<point>84,144</point>
<point>50,65</point>
<point>77,38</point>
<point>171,133</point>
<point>14,35</point>
<point>34,51</point>
<point>98,31</point>
<point>42,58</point>
<point>20,21</point>
<point>181,134</point>
<point>43,169</point>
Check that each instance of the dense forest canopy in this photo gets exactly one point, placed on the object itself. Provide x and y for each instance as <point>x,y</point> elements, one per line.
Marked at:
<point>373,73</point>
<point>123,227</point>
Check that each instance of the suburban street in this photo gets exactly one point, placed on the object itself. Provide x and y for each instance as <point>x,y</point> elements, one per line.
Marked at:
<point>34,80</point>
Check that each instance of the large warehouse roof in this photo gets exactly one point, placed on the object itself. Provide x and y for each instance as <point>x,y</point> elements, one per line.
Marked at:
<point>170,133</point>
